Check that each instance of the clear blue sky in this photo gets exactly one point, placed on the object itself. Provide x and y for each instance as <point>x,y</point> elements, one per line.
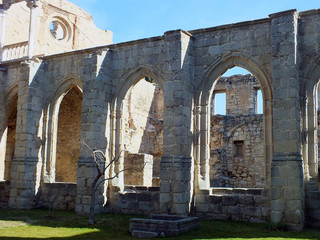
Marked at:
<point>136,19</point>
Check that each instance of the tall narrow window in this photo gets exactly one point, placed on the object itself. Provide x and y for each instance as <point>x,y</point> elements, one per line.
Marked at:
<point>259,102</point>
<point>220,103</point>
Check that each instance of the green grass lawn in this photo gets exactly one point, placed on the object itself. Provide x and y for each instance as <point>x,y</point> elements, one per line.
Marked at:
<point>38,224</point>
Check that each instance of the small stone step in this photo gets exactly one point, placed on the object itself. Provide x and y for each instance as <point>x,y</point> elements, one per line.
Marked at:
<point>143,234</point>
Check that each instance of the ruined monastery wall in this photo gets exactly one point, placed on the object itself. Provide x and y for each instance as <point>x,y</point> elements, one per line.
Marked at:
<point>202,165</point>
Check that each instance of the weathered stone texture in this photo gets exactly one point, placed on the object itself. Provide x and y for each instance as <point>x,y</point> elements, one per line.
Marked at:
<point>280,146</point>
<point>138,169</point>
<point>58,196</point>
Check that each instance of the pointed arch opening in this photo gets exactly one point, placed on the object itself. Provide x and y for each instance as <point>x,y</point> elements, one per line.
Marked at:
<point>237,136</point>
<point>63,141</point>
<point>139,131</point>
<point>68,136</point>
<point>226,143</point>
<point>9,138</point>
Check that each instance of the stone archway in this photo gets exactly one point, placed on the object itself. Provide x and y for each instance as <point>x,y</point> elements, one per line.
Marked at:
<point>8,138</point>
<point>123,121</point>
<point>63,144</point>
<point>202,117</point>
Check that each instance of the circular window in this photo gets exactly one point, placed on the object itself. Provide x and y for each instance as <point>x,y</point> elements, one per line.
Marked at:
<point>59,29</point>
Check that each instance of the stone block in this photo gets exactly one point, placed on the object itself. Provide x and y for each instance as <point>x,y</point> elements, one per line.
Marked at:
<point>165,198</point>
<point>278,205</point>
<point>253,211</point>
<point>144,197</point>
<point>204,208</point>
<point>276,216</point>
<point>246,200</point>
<point>235,210</point>
<point>148,206</point>
<point>231,200</point>
<point>143,234</point>
<point>217,209</point>
<point>215,199</point>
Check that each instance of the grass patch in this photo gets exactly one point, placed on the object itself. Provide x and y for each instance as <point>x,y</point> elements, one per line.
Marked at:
<point>38,224</point>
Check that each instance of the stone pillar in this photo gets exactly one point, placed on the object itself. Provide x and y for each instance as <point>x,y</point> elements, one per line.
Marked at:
<point>27,163</point>
<point>3,16</point>
<point>3,126</point>
<point>32,4</point>
<point>287,182</point>
<point>95,112</point>
<point>176,167</point>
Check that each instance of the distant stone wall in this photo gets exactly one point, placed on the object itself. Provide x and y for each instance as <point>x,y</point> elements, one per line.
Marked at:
<point>241,94</point>
<point>236,158</point>
<point>60,196</point>
<point>237,138</point>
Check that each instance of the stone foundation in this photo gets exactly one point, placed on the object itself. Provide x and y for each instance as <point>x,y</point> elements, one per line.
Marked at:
<point>134,200</point>
<point>252,205</point>
<point>58,196</point>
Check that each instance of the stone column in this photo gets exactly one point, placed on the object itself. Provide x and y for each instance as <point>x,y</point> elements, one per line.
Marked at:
<point>3,16</point>
<point>32,4</point>
<point>95,112</point>
<point>3,126</point>
<point>287,182</point>
<point>176,167</point>
<point>27,163</point>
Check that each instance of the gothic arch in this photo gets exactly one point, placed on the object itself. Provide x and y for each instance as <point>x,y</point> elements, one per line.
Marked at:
<point>126,83</point>
<point>308,91</point>
<point>202,115</point>
<point>8,131</point>
<point>51,125</point>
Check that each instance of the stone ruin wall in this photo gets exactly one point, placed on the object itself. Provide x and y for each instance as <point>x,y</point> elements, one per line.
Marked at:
<point>143,128</point>
<point>73,26</point>
<point>240,128</point>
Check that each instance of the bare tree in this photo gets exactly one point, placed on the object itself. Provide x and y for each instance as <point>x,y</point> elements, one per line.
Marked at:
<point>102,166</point>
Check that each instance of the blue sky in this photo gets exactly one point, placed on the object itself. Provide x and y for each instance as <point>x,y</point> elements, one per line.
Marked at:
<point>136,19</point>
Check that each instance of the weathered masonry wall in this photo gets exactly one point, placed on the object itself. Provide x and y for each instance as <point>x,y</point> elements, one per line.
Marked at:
<point>237,151</point>
<point>236,139</point>
<point>58,196</point>
<point>137,200</point>
<point>251,205</point>
<point>279,157</point>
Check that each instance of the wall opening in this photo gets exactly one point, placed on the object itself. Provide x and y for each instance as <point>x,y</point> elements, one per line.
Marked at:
<point>68,136</point>
<point>10,135</point>
<point>218,105</point>
<point>237,138</point>
<point>143,133</point>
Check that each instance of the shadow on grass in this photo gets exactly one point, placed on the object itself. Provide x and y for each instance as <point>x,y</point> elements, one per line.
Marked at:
<point>70,226</point>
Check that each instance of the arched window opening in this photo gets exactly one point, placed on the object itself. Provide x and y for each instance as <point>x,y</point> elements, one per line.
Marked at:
<point>9,136</point>
<point>237,138</point>
<point>143,133</point>
<point>68,136</point>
